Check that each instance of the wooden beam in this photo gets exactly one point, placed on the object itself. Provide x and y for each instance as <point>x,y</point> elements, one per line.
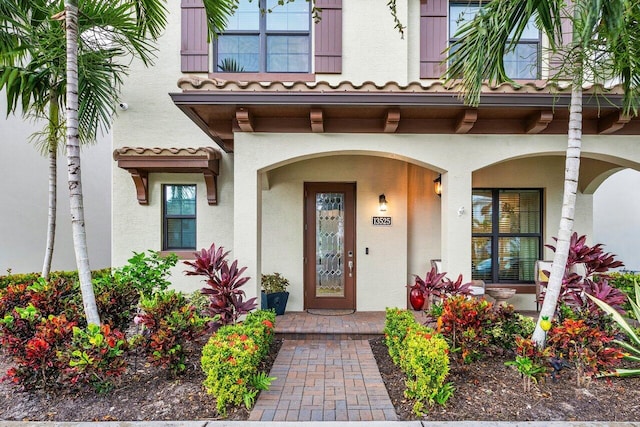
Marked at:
<point>612,123</point>
<point>392,120</point>
<point>317,120</point>
<point>538,121</point>
<point>245,121</point>
<point>466,121</point>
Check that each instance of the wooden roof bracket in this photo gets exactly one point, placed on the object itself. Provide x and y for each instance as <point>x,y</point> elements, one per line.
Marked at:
<point>140,161</point>
<point>612,123</point>
<point>538,122</point>
<point>245,121</point>
<point>392,120</point>
<point>317,120</point>
<point>466,121</point>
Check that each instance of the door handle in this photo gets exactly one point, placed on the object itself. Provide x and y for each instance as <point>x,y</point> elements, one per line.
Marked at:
<point>350,268</point>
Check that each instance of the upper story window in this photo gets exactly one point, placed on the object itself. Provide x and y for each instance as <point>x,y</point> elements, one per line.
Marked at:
<point>273,42</point>
<point>506,234</point>
<point>179,217</point>
<point>521,63</point>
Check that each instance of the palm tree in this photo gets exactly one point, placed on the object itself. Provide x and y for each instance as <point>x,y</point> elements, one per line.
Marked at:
<point>605,45</point>
<point>125,36</point>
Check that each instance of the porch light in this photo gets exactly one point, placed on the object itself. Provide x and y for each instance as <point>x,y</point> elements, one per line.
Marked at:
<point>437,185</point>
<point>382,200</point>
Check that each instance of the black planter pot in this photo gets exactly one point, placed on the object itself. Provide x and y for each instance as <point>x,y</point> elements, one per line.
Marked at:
<point>276,301</point>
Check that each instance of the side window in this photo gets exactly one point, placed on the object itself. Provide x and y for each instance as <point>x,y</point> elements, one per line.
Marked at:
<point>178,217</point>
<point>278,41</point>
<point>506,234</point>
<point>523,62</point>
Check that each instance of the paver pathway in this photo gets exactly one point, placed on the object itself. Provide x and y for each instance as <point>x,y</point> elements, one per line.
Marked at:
<point>325,381</point>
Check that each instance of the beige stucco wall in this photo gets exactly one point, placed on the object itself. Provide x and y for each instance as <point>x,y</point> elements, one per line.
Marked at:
<point>381,273</point>
<point>24,187</point>
<point>259,215</point>
<point>152,120</point>
<point>258,153</point>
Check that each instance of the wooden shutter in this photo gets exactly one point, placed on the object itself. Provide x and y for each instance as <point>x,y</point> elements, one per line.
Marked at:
<point>556,61</point>
<point>194,50</point>
<point>433,37</point>
<point>328,37</point>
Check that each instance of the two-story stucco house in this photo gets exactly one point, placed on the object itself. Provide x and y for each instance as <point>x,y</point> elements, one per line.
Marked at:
<point>315,150</point>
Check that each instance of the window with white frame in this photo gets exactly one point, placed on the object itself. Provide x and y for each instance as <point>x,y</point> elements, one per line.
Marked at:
<point>506,234</point>
<point>264,36</point>
<point>521,63</point>
<point>179,217</point>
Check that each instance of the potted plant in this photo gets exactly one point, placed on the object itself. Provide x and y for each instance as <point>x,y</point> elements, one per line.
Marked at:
<point>274,292</point>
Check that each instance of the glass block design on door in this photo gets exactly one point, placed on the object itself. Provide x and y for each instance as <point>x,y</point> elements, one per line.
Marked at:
<point>330,245</point>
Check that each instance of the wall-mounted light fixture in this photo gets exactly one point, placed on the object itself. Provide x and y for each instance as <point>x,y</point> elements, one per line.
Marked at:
<point>437,185</point>
<point>382,201</point>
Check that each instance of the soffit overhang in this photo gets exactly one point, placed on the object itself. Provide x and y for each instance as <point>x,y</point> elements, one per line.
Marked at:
<point>222,108</point>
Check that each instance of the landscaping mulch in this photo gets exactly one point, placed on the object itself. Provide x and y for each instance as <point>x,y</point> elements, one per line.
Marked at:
<point>144,393</point>
<point>484,390</point>
<point>489,390</point>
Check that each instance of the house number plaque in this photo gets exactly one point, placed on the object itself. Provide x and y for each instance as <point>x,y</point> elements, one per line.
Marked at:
<point>381,220</point>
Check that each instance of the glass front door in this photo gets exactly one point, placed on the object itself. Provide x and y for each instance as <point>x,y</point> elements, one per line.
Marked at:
<point>329,245</point>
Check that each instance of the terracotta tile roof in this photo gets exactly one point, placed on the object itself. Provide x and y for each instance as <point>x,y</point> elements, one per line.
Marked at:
<point>208,152</point>
<point>195,83</point>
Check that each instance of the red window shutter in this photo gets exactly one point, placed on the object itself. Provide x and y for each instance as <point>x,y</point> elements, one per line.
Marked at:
<point>194,51</point>
<point>433,37</point>
<point>328,37</point>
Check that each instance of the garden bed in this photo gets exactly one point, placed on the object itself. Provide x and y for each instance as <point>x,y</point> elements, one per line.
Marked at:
<point>489,390</point>
<point>144,393</point>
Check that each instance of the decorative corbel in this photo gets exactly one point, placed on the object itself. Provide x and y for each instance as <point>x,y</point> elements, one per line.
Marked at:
<point>466,121</point>
<point>245,121</point>
<point>538,122</point>
<point>612,123</point>
<point>317,120</point>
<point>392,120</point>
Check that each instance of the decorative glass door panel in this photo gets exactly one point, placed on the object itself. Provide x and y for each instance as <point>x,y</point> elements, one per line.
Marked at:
<point>329,245</point>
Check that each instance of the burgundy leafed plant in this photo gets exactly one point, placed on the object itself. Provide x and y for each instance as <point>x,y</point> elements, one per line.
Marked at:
<point>595,281</point>
<point>224,282</point>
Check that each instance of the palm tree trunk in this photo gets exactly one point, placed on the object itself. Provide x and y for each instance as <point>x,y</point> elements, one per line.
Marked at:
<point>73,164</point>
<point>52,148</point>
<point>571,174</point>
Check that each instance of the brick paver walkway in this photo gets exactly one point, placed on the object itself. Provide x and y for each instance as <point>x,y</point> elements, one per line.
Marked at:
<point>325,381</point>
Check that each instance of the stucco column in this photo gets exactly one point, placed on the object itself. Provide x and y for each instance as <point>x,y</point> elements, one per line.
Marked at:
<point>247,215</point>
<point>456,224</point>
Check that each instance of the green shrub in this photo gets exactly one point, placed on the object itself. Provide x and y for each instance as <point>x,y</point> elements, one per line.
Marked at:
<point>230,359</point>
<point>625,282</point>
<point>423,356</point>
<point>425,361</point>
<point>509,325</point>
<point>29,278</point>
<point>147,272</point>
<point>171,323</point>
<point>396,325</point>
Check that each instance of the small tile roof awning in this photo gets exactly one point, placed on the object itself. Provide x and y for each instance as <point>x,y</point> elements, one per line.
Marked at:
<point>221,108</point>
<point>140,161</point>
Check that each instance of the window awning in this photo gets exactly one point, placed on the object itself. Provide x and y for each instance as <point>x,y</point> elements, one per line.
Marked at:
<point>140,161</point>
